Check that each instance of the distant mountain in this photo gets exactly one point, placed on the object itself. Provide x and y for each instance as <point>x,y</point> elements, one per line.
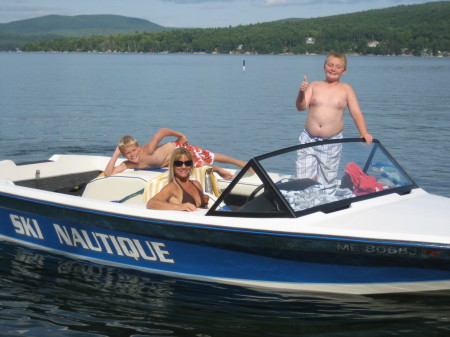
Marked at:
<point>14,34</point>
<point>402,30</point>
<point>81,25</point>
<point>421,30</point>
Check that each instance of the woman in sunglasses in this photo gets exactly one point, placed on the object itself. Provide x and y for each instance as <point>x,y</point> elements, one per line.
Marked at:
<point>180,193</point>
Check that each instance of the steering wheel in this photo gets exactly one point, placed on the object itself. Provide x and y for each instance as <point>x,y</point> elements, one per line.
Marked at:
<point>253,194</point>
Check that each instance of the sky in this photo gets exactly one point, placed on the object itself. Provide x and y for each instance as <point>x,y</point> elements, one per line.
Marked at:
<point>194,13</point>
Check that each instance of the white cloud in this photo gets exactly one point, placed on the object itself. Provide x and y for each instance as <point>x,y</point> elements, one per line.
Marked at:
<point>275,2</point>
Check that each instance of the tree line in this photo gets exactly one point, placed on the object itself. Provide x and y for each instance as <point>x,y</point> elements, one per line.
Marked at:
<point>413,29</point>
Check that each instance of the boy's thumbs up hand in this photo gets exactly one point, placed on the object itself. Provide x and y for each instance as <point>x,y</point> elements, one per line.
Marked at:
<point>304,84</point>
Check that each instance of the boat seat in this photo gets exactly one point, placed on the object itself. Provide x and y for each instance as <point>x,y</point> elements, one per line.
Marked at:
<point>115,188</point>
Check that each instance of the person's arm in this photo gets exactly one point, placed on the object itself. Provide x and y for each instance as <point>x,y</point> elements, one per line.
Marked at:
<point>357,115</point>
<point>304,95</point>
<point>111,168</point>
<point>151,146</point>
<point>162,200</point>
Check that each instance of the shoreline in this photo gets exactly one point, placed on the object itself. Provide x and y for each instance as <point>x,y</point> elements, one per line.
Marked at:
<point>442,55</point>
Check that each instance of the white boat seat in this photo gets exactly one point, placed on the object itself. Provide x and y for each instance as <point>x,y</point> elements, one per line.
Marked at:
<point>115,188</point>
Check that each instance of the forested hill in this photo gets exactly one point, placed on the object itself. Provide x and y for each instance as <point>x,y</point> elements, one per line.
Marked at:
<point>413,29</point>
<point>14,34</point>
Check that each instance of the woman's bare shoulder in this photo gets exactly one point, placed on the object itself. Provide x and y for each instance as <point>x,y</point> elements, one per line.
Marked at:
<point>197,183</point>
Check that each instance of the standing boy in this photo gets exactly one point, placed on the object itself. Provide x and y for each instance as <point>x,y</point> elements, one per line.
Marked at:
<point>326,101</point>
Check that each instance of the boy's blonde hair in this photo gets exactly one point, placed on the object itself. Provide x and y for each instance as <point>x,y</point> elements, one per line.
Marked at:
<point>125,142</point>
<point>340,56</point>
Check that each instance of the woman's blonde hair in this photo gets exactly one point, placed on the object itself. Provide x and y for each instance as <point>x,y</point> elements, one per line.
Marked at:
<point>177,154</point>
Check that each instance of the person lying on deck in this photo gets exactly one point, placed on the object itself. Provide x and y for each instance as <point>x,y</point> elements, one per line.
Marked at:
<point>153,155</point>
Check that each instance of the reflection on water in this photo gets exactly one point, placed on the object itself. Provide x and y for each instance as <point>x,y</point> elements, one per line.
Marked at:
<point>44,294</point>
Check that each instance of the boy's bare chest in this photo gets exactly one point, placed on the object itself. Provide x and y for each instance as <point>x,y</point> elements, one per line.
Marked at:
<point>329,97</point>
<point>160,158</point>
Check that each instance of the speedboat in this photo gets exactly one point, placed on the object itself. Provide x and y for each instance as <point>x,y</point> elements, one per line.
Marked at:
<point>369,230</point>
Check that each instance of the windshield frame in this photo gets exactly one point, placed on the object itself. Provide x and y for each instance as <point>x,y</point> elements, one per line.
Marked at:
<point>284,209</point>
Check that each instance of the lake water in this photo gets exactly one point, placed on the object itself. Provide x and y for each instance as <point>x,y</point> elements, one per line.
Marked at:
<point>83,103</point>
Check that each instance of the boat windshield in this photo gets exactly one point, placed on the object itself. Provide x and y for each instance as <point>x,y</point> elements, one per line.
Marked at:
<point>322,176</point>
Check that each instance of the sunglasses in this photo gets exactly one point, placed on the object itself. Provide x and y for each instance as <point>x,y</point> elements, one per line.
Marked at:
<point>179,163</point>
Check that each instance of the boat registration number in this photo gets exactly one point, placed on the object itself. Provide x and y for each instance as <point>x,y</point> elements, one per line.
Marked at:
<point>377,249</point>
